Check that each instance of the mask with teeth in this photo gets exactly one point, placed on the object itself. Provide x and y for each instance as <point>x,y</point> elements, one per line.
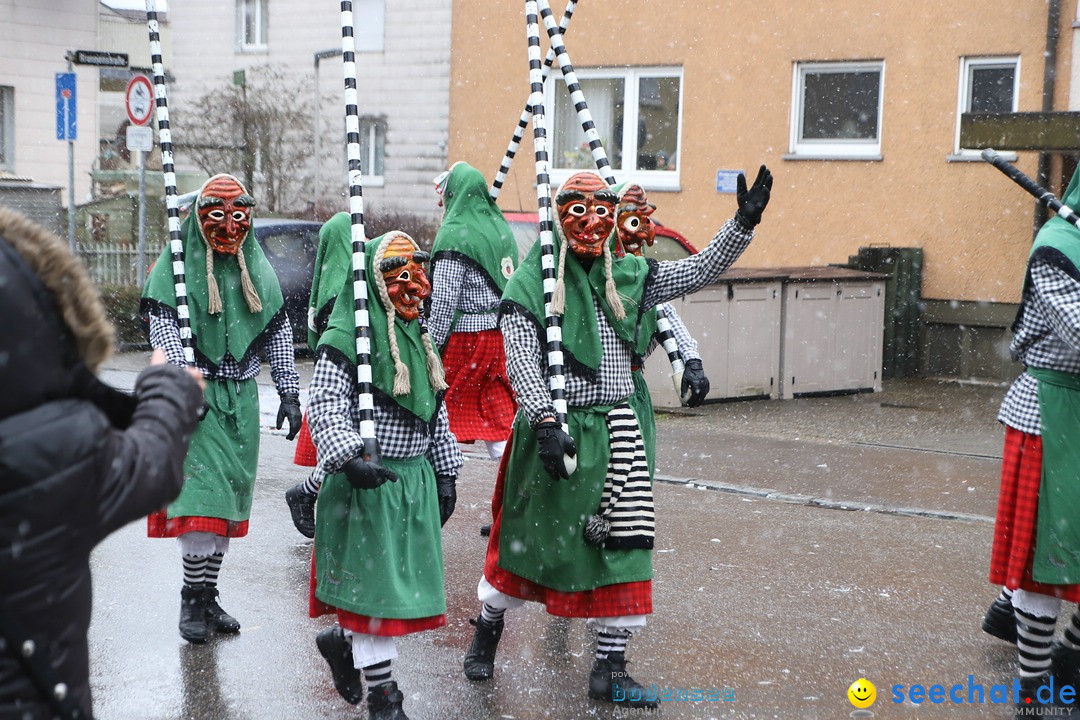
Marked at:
<point>407,283</point>
<point>586,210</point>
<point>634,226</point>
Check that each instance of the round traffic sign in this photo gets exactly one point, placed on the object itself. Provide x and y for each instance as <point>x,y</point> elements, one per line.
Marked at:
<point>139,100</point>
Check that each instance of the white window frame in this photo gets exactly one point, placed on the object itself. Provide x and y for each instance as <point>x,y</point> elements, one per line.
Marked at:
<point>963,96</point>
<point>664,180</point>
<point>372,124</point>
<point>835,149</point>
<point>262,25</point>
<point>7,131</point>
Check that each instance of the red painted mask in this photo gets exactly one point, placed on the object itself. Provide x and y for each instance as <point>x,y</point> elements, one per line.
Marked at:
<point>224,211</point>
<point>407,283</point>
<point>634,226</point>
<point>586,210</point>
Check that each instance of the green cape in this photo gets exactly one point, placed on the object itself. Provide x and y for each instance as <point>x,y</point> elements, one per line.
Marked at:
<point>580,330</point>
<point>340,334</point>
<point>474,229</point>
<point>236,330</point>
<point>333,268</point>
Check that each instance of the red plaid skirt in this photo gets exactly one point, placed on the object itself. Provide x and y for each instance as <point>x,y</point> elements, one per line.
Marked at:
<point>160,526</point>
<point>480,402</point>
<point>1017,516</point>
<point>386,627</point>
<point>632,598</point>
<point>305,449</point>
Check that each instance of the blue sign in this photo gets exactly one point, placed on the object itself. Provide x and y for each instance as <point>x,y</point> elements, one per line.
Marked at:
<point>726,179</point>
<point>65,106</point>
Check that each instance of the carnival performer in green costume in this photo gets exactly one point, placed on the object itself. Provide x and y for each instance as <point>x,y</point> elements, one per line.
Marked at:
<point>378,547</point>
<point>236,311</point>
<point>1036,550</point>
<point>473,257</point>
<point>581,543</point>
<point>333,267</point>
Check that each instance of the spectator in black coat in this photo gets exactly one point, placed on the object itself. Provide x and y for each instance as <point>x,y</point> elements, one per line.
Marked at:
<point>78,460</point>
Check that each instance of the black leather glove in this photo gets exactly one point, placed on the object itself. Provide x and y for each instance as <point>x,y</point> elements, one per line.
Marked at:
<point>695,383</point>
<point>752,202</point>
<point>554,444</point>
<point>365,471</point>
<point>447,488</point>
<point>290,410</point>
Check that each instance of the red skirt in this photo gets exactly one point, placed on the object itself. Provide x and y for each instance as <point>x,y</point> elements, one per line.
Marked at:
<point>160,526</point>
<point>305,449</point>
<point>385,627</point>
<point>1017,518</point>
<point>479,401</point>
<point>632,598</point>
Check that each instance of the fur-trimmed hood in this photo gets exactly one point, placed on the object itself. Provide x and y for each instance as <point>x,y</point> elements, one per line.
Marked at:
<point>52,322</point>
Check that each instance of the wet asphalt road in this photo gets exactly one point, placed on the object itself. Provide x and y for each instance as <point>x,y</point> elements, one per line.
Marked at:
<point>762,584</point>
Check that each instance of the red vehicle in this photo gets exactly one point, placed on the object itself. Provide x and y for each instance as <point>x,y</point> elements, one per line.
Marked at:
<point>670,244</point>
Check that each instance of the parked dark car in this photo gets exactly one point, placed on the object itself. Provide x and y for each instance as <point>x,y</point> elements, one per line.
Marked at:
<point>670,244</point>
<point>290,246</point>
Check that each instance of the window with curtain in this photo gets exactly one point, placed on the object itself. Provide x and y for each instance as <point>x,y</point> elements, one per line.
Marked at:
<point>251,24</point>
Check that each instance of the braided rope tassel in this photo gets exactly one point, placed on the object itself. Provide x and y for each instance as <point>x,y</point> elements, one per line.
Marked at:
<point>527,113</point>
<point>176,242</point>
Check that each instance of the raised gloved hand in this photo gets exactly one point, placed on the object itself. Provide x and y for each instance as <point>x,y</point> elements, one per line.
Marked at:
<point>694,383</point>
<point>446,485</point>
<point>365,471</point>
<point>290,410</point>
<point>554,445</point>
<point>752,202</point>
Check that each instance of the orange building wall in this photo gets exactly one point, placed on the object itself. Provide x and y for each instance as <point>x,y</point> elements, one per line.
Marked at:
<point>973,223</point>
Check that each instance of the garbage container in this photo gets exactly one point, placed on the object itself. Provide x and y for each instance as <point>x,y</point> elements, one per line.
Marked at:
<point>903,294</point>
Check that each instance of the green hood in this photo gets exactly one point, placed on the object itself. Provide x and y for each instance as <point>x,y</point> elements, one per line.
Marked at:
<point>333,268</point>
<point>340,335</point>
<point>236,329</point>
<point>474,229</point>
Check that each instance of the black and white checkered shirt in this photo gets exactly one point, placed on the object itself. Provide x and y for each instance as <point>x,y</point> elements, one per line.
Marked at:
<point>688,347</point>
<point>526,363</point>
<point>1048,336</point>
<point>458,286</point>
<point>165,334</point>
<point>334,419</point>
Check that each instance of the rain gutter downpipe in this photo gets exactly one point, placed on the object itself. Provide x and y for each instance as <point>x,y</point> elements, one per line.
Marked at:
<point>1053,22</point>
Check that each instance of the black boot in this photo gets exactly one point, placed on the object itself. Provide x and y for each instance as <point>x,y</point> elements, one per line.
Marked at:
<point>485,530</point>
<point>480,659</point>
<point>302,507</point>
<point>1000,621</point>
<point>609,681</point>
<point>336,648</point>
<point>217,620</point>
<point>1029,705</point>
<point>193,626</point>
<point>384,702</point>
<point>1065,664</point>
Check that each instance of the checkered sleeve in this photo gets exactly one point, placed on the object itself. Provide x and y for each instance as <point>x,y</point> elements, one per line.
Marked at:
<point>444,454</point>
<point>1060,295</point>
<point>282,357</point>
<point>682,277</point>
<point>330,416</point>
<point>688,346</point>
<point>446,285</point>
<point>165,335</point>
<point>525,367</point>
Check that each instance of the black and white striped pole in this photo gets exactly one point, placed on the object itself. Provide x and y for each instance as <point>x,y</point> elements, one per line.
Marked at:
<point>552,321</point>
<point>176,242</point>
<point>666,336</point>
<point>527,113</point>
<point>1041,194</point>
<point>356,209</point>
<point>576,95</point>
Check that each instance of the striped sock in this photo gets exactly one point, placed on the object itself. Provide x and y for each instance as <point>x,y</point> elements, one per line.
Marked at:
<point>1005,596</point>
<point>1033,637</point>
<point>610,641</point>
<point>213,567</point>
<point>377,674</point>
<point>1071,638</point>
<point>313,483</point>
<point>194,570</point>
<point>491,615</point>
